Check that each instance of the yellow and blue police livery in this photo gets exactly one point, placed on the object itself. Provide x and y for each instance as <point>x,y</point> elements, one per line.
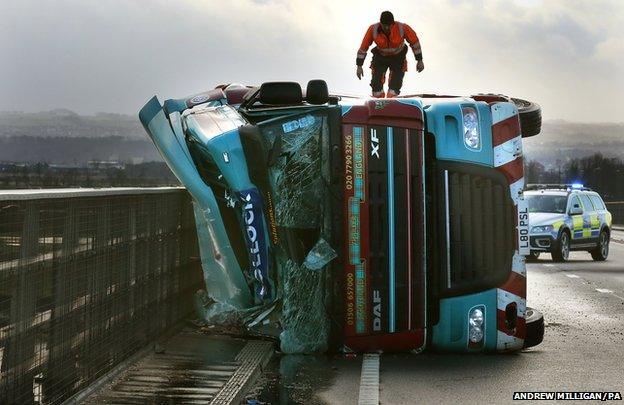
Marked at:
<point>567,217</point>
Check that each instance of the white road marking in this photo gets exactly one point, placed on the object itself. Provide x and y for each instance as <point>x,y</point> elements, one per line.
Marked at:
<point>369,380</point>
<point>600,290</point>
<point>606,291</point>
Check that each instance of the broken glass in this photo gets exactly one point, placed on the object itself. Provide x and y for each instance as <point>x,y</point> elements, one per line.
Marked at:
<point>304,320</point>
<point>295,176</point>
<point>321,254</point>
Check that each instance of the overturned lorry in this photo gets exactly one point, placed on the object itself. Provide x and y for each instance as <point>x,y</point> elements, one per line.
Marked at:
<point>338,222</point>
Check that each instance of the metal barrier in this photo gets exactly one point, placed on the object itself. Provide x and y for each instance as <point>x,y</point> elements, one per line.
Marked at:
<point>616,208</point>
<point>88,277</point>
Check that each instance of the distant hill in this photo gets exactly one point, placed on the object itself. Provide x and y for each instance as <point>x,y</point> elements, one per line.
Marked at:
<point>563,140</point>
<point>66,123</point>
<point>62,136</point>
<point>76,150</point>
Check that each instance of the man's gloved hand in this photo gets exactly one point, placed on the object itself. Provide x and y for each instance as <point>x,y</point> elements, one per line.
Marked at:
<point>360,72</point>
<point>420,66</point>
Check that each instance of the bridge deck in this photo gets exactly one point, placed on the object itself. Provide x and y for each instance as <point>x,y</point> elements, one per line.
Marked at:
<point>189,368</point>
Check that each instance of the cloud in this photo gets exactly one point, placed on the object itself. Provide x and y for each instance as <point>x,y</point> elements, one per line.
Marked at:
<point>113,55</point>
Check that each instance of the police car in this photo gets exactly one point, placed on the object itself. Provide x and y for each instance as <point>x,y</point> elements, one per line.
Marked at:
<point>566,217</point>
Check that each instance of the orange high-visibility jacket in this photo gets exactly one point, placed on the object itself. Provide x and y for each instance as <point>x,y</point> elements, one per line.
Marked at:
<point>392,45</point>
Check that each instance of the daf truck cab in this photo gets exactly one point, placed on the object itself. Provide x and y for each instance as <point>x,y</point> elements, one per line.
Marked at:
<point>359,223</point>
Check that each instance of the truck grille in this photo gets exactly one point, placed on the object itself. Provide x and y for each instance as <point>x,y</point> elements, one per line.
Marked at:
<point>481,222</point>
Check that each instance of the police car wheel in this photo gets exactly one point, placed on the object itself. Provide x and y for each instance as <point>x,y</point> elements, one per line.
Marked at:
<point>530,117</point>
<point>534,321</point>
<point>601,252</point>
<point>562,250</point>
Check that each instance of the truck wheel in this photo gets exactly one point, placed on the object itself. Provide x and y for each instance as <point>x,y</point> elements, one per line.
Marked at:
<point>533,256</point>
<point>600,252</point>
<point>530,117</point>
<point>562,249</point>
<point>534,328</point>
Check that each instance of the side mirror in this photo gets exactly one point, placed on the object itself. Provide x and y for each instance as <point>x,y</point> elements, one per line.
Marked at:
<point>576,210</point>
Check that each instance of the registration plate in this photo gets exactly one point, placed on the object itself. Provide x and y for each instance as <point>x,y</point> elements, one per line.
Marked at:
<point>524,247</point>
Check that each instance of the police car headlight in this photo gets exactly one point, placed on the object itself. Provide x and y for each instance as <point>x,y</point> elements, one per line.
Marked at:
<point>470,119</point>
<point>542,229</point>
<point>476,319</point>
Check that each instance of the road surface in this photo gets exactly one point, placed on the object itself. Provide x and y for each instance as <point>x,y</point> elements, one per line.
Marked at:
<point>583,350</point>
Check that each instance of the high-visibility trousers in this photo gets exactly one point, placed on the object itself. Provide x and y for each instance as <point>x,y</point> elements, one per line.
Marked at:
<point>397,64</point>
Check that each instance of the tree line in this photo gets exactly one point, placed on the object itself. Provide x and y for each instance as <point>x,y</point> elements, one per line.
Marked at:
<point>42,175</point>
<point>603,174</point>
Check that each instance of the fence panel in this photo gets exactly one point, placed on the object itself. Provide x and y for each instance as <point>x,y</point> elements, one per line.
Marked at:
<point>85,281</point>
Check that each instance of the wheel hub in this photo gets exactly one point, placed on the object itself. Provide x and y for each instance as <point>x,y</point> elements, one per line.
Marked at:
<point>565,249</point>
<point>604,245</point>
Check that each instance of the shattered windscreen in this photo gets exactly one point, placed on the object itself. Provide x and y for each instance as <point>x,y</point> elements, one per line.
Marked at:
<point>296,177</point>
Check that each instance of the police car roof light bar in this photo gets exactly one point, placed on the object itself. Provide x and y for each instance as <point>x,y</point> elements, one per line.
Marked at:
<point>566,187</point>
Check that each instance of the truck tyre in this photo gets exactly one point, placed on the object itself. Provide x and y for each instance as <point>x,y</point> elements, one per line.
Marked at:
<point>562,248</point>
<point>530,117</point>
<point>600,252</point>
<point>534,328</point>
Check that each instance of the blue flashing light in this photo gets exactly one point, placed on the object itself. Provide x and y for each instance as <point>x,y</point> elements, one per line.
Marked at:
<point>577,185</point>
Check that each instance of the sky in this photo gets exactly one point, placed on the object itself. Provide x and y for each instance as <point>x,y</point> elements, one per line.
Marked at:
<point>113,55</point>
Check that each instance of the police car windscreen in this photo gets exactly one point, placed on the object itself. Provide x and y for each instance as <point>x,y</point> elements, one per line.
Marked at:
<point>547,203</point>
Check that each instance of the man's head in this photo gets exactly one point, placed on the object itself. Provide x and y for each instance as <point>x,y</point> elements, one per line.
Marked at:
<point>386,19</point>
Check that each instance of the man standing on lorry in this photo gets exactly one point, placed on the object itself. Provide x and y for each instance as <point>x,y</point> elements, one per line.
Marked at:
<point>390,50</point>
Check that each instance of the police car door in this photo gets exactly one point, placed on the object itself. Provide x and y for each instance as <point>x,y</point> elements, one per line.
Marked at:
<point>591,224</point>
<point>577,220</point>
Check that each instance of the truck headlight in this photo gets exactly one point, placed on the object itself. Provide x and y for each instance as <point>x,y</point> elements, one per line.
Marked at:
<point>476,317</point>
<point>475,335</point>
<point>476,325</point>
<point>542,229</point>
<point>472,136</point>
